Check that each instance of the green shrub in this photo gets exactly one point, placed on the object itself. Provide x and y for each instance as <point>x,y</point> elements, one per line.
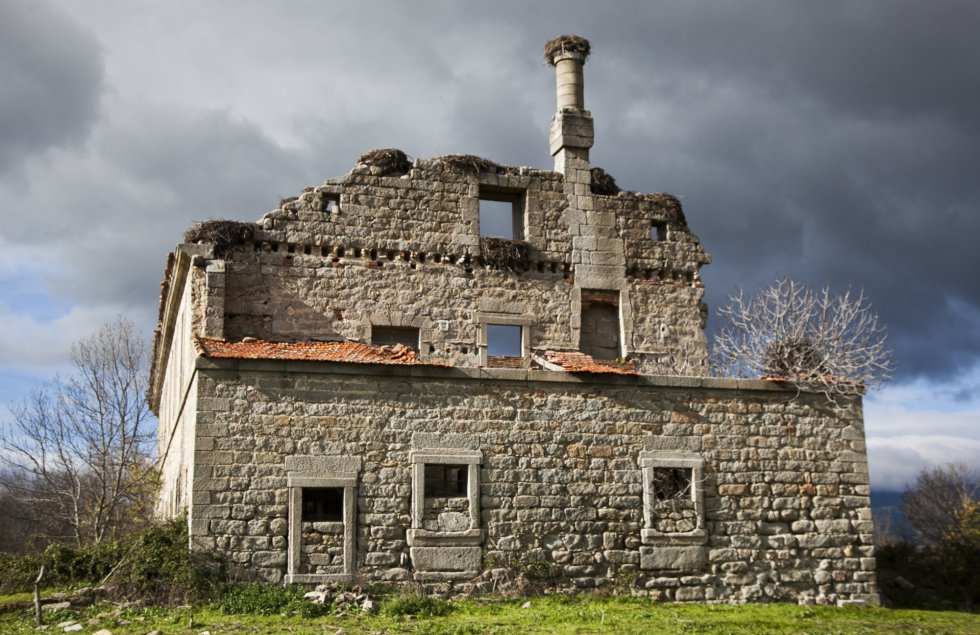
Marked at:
<point>417,605</point>
<point>155,565</point>
<point>267,599</point>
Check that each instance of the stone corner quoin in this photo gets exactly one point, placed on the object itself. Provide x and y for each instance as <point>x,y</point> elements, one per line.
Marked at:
<point>451,372</point>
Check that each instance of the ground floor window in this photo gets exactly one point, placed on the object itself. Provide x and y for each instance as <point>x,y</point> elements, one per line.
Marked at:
<point>673,495</point>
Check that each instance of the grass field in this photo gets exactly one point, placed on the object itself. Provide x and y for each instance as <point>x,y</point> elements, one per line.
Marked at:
<point>552,614</point>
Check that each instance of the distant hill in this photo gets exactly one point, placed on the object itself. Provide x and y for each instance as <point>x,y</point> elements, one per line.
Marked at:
<point>886,506</point>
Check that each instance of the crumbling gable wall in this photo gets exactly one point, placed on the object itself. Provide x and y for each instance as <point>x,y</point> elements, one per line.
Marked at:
<point>405,250</point>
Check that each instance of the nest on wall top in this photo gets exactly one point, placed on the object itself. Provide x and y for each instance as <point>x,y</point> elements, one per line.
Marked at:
<point>501,253</point>
<point>603,183</point>
<point>392,161</point>
<point>566,44</point>
<point>469,163</point>
<point>220,232</point>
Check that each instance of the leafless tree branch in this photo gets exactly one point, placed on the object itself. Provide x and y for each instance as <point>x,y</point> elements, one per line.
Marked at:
<point>78,448</point>
<point>811,338</point>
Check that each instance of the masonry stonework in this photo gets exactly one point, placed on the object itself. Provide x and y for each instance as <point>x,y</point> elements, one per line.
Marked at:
<point>303,451</point>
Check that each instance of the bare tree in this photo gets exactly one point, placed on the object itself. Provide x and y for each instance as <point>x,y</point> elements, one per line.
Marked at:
<point>812,338</point>
<point>78,449</point>
<point>942,503</point>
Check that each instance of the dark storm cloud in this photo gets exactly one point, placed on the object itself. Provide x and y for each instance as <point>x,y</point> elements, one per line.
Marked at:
<point>50,85</point>
<point>833,142</point>
<point>829,141</point>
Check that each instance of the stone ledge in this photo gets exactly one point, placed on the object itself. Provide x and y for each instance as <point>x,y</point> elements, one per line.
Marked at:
<point>495,374</point>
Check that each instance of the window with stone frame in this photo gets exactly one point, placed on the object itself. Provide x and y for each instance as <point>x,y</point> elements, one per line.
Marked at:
<point>503,339</point>
<point>322,518</point>
<point>445,538</point>
<point>673,494</point>
<point>445,490</point>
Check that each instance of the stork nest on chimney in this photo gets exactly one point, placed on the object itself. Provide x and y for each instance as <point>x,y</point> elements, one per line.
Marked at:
<point>566,44</point>
<point>392,161</point>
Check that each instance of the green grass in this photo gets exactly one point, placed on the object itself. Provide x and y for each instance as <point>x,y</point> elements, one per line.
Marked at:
<point>552,614</point>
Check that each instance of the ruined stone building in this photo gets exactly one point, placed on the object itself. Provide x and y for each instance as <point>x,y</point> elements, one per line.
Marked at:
<point>366,386</point>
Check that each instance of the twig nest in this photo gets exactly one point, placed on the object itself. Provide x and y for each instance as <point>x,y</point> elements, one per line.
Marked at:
<point>391,161</point>
<point>566,44</point>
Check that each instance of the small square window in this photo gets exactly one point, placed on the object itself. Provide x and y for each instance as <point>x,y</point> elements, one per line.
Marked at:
<point>504,340</point>
<point>323,504</point>
<point>330,203</point>
<point>658,231</point>
<point>501,215</point>
<point>446,481</point>
<point>391,335</point>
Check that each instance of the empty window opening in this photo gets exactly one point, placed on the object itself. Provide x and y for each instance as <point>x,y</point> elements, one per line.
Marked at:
<point>445,481</point>
<point>599,336</point>
<point>502,215</point>
<point>391,335</point>
<point>331,203</point>
<point>658,230</point>
<point>504,340</point>
<point>323,504</point>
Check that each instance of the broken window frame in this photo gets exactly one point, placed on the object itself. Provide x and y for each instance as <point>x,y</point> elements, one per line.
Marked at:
<point>658,231</point>
<point>650,461</point>
<point>518,202</point>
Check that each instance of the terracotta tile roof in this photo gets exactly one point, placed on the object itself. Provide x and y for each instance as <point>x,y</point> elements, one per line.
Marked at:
<point>576,362</point>
<point>348,352</point>
<point>358,353</point>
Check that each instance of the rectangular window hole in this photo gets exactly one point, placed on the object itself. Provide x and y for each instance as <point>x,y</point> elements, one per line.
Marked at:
<point>658,231</point>
<point>323,504</point>
<point>446,481</point>
<point>672,483</point>
<point>391,335</point>
<point>330,203</point>
<point>504,340</point>
<point>502,214</point>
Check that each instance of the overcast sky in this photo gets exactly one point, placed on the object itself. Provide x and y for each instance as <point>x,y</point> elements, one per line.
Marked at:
<point>833,142</point>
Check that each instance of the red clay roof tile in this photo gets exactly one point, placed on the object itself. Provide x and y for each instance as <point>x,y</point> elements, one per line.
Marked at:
<point>348,352</point>
<point>576,362</point>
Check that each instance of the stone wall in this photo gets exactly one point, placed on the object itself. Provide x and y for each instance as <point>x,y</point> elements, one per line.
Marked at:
<point>368,248</point>
<point>561,481</point>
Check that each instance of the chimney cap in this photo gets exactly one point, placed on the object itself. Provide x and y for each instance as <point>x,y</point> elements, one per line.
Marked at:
<point>573,44</point>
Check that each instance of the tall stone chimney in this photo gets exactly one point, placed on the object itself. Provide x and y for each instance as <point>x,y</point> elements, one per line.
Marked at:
<point>598,256</point>
<point>572,130</point>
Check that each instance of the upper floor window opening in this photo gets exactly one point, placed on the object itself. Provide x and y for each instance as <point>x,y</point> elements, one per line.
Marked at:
<point>391,335</point>
<point>505,340</point>
<point>502,214</point>
<point>658,230</point>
